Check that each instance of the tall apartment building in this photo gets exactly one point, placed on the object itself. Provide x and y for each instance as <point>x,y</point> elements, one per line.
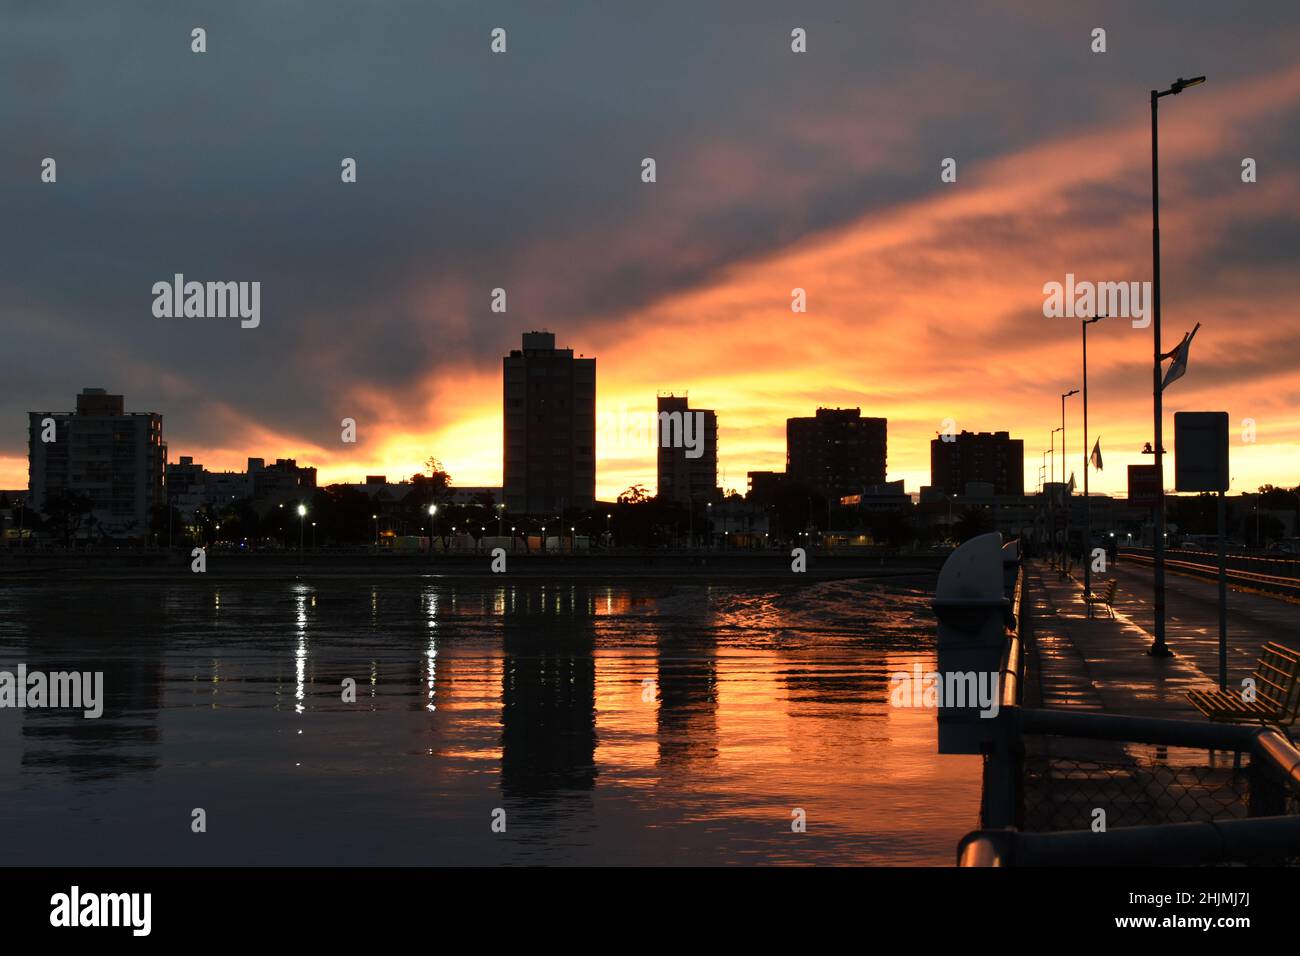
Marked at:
<point>993,458</point>
<point>836,451</point>
<point>687,452</point>
<point>550,427</point>
<point>102,453</point>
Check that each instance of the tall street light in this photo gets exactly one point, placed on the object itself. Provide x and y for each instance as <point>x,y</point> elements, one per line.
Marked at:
<point>1087,503</point>
<point>1158,646</point>
<point>1065,538</point>
<point>1051,499</point>
<point>302,526</point>
<point>433,510</point>
<point>1042,493</point>
<point>375,518</point>
<point>1042,505</point>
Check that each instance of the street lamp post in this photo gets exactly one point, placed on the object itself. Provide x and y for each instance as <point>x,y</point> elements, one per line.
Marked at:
<point>302,527</point>
<point>1158,646</point>
<point>1051,500</point>
<point>375,518</point>
<point>1065,537</point>
<point>1043,504</point>
<point>1087,503</point>
<point>433,510</point>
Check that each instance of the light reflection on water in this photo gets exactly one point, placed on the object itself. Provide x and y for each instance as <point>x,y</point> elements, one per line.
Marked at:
<point>625,723</point>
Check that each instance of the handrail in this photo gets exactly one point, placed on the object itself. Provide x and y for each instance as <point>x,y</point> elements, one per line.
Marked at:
<point>1276,559</point>
<point>1287,585</point>
<point>1013,656</point>
<point>985,848</point>
<point>1172,844</point>
<point>1196,734</point>
<point>1261,837</point>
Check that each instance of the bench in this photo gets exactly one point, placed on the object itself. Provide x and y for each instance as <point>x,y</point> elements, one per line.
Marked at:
<point>1106,596</point>
<point>1277,693</point>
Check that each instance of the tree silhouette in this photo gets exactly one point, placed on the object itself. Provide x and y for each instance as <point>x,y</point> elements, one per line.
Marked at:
<point>971,523</point>
<point>634,495</point>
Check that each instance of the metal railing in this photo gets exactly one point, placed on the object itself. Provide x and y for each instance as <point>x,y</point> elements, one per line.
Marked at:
<point>1013,663</point>
<point>1240,569</point>
<point>1268,834</point>
<point>1229,815</point>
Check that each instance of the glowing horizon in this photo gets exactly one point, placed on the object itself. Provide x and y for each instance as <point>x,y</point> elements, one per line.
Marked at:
<point>923,306</point>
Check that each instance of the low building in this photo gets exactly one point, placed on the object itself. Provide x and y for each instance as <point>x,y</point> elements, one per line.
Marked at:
<point>192,488</point>
<point>764,486</point>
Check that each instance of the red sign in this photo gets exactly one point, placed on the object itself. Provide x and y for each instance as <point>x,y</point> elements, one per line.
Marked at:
<point>1143,486</point>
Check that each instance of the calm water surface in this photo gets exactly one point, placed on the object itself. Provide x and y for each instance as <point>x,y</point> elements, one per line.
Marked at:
<point>632,723</point>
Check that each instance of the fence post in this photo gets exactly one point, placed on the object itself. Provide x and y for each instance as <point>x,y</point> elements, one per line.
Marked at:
<point>1002,804</point>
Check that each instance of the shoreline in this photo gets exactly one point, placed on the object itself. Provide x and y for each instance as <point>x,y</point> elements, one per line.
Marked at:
<point>706,567</point>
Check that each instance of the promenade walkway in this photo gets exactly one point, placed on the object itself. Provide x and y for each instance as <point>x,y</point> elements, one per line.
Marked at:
<point>1101,664</point>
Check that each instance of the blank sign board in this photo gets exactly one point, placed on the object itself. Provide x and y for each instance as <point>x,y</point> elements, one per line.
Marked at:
<point>1201,451</point>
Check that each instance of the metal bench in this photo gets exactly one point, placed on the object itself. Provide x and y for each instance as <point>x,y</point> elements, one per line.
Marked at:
<point>1276,697</point>
<point>1106,596</point>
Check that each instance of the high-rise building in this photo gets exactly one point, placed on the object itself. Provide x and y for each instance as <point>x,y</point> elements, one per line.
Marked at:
<point>113,460</point>
<point>837,451</point>
<point>688,452</point>
<point>550,427</point>
<point>991,458</point>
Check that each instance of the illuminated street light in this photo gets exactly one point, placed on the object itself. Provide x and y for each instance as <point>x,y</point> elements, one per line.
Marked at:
<point>1158,646</point>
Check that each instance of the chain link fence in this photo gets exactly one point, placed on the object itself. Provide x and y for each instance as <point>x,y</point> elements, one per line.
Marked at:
<point>1081,786</point>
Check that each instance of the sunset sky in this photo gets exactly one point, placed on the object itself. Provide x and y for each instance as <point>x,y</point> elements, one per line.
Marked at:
<point>775,170</point>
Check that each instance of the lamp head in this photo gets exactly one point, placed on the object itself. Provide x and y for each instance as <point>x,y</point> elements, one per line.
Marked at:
<point>1180,84</point>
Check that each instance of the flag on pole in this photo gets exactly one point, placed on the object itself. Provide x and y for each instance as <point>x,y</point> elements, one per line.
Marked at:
<point>1096,455</point>
<point>1178,367</point>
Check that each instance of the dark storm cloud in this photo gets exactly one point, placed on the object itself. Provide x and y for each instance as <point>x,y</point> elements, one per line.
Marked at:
<point>479,171</point>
